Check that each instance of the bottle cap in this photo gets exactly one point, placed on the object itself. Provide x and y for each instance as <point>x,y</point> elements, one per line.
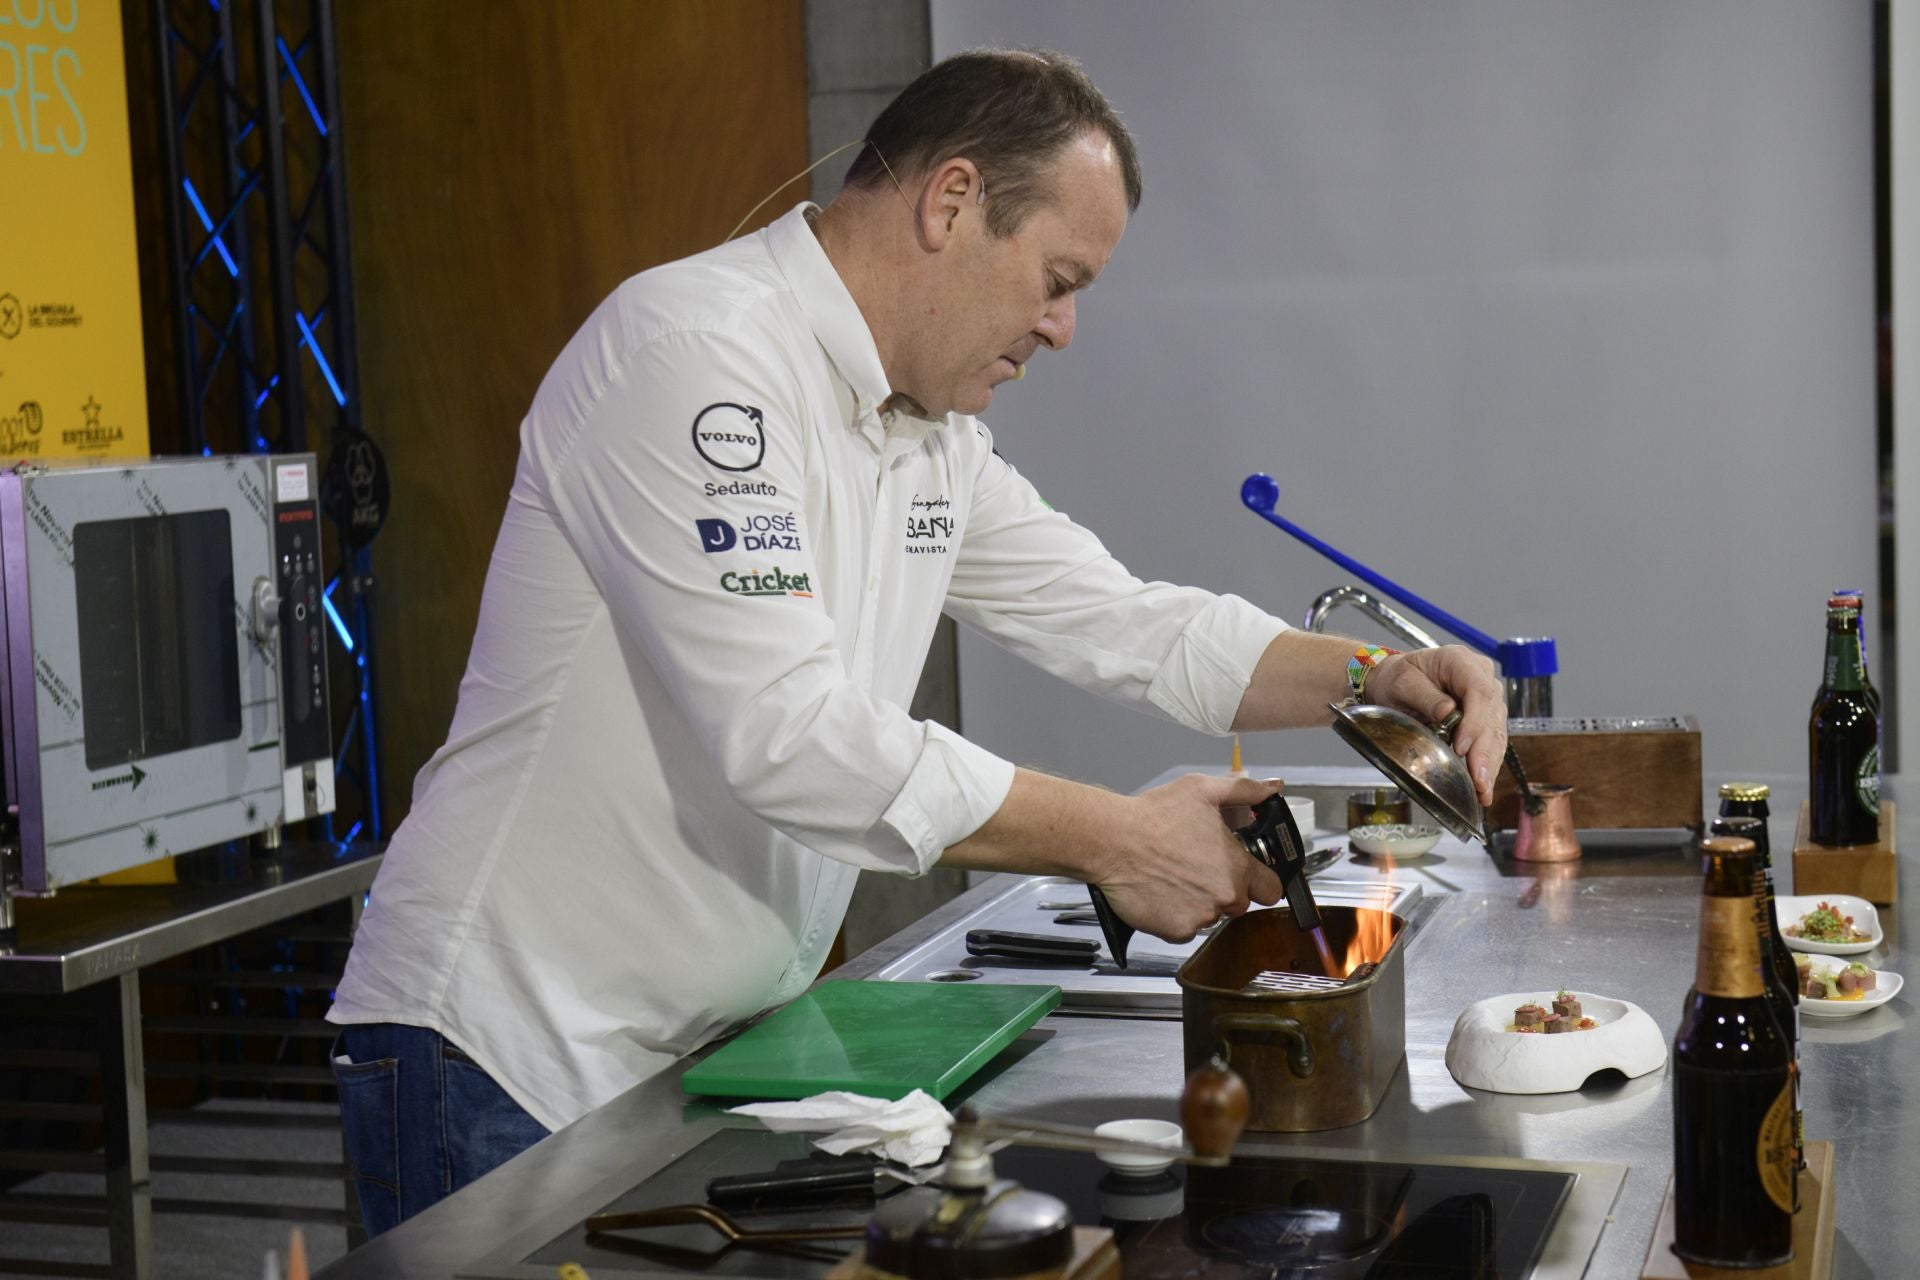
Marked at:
<point>1745,791</point>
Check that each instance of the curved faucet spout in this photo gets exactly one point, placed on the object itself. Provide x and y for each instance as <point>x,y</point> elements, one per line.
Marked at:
<point>1380,611</point>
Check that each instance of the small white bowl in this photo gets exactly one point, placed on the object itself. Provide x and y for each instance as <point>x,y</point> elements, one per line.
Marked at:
<point>1394,839</point>
<point>1885,987</point>
<point>1790,907</point>
<point>1138,1164</point>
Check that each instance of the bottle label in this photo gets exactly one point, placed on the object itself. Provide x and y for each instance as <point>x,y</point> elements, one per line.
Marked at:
<point>1728,961</point>
<point>1866,781</point>
<point>1775,1150</point>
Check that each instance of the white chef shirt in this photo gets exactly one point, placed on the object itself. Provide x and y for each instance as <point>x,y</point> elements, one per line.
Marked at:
<point>682,729</point>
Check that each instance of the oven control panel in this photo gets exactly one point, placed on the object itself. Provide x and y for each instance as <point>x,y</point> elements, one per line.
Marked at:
<point>306,745</point>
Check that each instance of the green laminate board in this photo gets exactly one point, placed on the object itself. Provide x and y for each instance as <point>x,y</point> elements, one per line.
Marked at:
<point>881,1039</point>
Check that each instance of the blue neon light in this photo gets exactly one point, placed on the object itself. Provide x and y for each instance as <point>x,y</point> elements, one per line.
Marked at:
<point>320,358</point>
<point>293,69</point>
<point>338,626</point>
<point>233,268</point>
<point>261,399</point>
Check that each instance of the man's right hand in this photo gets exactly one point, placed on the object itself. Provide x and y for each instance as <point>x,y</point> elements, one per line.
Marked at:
<point>1166,859</point>
<point>1184,869</point>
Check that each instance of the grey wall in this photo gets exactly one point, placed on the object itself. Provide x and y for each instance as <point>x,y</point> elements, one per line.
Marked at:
<point>1560,313</point>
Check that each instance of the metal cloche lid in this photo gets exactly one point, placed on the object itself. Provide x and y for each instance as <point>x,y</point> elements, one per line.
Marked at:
<point>1420,762</point>
<point>1745,791</point>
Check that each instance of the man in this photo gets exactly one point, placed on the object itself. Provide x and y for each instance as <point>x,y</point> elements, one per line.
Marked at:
<point>747,488</point>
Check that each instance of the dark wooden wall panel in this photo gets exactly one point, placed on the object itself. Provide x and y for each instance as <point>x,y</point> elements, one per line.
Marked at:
<point>509,162</point>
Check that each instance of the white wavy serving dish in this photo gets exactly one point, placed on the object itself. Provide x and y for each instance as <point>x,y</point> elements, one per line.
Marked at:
<point>1790,907</point>
<point>1886,986</point>
<point>1483,1054</point>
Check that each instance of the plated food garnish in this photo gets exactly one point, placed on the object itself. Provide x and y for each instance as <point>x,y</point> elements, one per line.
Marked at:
<point>1533,1018</point>
<point>1850,983</point>
<point>1826,923</point>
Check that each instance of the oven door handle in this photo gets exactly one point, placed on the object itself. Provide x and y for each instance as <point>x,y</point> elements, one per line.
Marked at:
<point>1300,1057</point>
<point>266,610</point>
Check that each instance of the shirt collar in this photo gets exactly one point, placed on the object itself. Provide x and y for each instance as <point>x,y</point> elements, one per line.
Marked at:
<point>836,320</point>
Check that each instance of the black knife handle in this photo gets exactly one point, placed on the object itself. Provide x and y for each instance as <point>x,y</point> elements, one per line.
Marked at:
<point>1117,932</point>
<point>797,1180</point>
<point>1029,946</point>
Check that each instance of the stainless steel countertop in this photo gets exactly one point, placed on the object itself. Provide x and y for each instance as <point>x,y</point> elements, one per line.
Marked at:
<point>1615,923</point>
<point>87,934</point>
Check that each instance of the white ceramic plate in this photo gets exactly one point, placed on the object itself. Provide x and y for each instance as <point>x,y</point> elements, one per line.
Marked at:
<point>1886,986</point>
<point>1483,1054</point>
<point>1394,839</point>
<point>1790,907</point>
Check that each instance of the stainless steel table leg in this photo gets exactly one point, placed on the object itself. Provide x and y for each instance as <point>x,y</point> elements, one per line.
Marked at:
<point>123,1092</point>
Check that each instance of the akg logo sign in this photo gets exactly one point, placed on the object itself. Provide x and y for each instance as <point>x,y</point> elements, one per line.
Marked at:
<point>756,533</point>
<point>731,436</point>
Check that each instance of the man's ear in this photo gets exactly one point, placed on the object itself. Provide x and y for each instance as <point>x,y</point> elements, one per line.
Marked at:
<point>951,189</point>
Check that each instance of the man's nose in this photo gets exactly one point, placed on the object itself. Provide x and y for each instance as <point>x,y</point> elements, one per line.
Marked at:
<point>1056,326</point>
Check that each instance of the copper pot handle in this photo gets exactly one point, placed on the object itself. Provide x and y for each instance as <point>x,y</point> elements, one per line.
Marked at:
<point>1299,1048</point>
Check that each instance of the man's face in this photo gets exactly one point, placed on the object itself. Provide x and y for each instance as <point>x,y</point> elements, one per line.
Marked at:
<point>1006,297</point>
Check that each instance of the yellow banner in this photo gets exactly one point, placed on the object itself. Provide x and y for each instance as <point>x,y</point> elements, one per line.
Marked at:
<point>72,369</point>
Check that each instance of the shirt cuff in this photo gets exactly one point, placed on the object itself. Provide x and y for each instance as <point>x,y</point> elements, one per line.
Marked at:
<point>954,788</point>
<point>1207,673</point>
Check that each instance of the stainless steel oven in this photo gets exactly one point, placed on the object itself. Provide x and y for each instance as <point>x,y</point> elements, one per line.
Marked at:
<point>163,659</point>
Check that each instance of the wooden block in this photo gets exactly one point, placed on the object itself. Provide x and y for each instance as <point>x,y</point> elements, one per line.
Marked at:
<point>1870,871</point>
<point>1812,1233</point>
<point>1641,776</point>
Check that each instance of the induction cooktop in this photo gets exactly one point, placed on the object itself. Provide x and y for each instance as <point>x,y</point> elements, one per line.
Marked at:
<point>1272,1214</point>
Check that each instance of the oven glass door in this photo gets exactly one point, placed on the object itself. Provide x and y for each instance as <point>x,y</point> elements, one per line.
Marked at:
<point>159,656</point>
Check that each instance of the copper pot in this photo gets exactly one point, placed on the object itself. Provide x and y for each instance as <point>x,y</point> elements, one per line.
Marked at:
<point>1311,1060</point>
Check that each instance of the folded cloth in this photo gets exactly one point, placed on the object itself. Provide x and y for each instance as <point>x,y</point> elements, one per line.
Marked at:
<point>912,1131</point>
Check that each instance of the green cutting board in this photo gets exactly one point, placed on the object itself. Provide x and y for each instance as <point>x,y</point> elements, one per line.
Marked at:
<point>881,1039</point>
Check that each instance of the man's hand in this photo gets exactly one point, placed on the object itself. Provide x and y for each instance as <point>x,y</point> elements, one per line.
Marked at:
<point>1184,869</point>
<point>1165,858</point>
<point>1429,683</point>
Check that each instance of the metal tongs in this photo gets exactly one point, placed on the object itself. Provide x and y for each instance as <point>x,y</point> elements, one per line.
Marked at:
<point>1272,839</point>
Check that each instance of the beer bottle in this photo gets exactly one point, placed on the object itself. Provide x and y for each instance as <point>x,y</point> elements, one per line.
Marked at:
<point>1854,597</point>
<point>1782,985</point>
<point>1843,740</point>
<point>1749,800</point>
<point>1733,1167</point>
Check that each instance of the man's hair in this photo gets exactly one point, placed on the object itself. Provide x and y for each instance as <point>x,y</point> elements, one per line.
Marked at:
<point>1011,112</point>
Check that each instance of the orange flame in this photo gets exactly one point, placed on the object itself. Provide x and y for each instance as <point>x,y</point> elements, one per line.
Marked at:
<point>1372,936</point>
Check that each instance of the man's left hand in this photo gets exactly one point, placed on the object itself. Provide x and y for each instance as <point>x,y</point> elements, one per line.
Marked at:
<point>1429,683</point>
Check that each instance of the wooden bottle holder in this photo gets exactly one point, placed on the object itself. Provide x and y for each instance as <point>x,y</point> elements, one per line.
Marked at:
<point>1867,871</point>
<point>1812,1233</point>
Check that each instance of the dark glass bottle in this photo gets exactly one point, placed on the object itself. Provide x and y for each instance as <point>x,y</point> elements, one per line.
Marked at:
<point>1749,800</point>
<point>1733,1166</point>
<point>1782,984</point>
<point>1843,741</point>
<point>1852,596</point>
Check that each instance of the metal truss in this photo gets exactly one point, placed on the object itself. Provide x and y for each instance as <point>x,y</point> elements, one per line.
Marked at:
<point>263,289</point>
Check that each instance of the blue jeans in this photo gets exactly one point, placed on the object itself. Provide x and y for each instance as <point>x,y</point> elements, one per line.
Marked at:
<point>421,1119</point>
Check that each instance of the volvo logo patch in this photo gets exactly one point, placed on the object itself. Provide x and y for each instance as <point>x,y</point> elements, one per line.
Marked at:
<point>730,436</point>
